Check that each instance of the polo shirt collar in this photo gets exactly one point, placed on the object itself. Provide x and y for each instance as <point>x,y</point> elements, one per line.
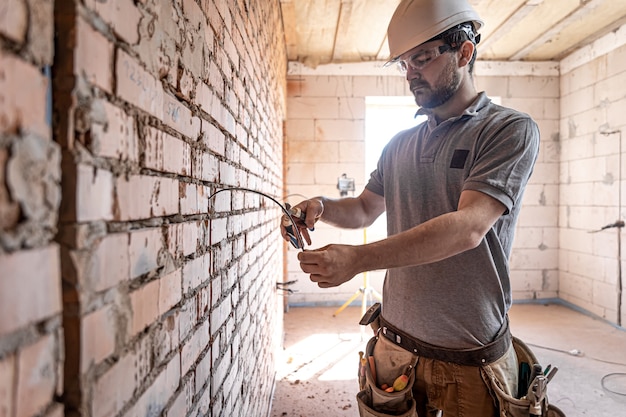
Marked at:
<point>479,103</point>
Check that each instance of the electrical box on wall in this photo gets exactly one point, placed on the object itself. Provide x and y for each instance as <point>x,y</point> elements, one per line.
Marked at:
<point>345,184</point>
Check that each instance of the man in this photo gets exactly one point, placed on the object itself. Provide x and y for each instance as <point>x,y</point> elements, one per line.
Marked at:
<point>452,189</point>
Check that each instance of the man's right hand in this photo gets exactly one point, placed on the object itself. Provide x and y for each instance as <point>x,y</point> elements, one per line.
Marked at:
<point>312,210</point>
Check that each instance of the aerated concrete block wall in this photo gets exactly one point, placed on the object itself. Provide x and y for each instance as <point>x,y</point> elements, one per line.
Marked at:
<point>125,290</point>
<point>533,89</point>
<point>592,192</point>
<point>31,332</point>
<point>325,138</point>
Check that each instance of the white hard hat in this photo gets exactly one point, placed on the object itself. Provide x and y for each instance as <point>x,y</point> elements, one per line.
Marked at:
<point>416,21</point>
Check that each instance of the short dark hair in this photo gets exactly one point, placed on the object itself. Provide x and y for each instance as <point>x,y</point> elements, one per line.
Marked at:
<point>457,35</point>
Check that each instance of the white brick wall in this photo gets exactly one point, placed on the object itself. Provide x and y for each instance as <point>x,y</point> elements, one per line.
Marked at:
<point>155,115</point>
<point>31,324</point>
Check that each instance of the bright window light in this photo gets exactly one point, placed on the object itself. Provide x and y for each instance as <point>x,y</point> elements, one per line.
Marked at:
<point>384,117</point>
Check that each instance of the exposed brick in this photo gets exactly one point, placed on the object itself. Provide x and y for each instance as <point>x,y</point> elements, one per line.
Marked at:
<point>216,79</point>
<point>203,373</point>
<point>166,336</point>
<point>218,230</point>
<point>32,275</point>
<point>113,389</point>
<point>203,303</point>
<point>7,385</point>
<point>115,137</point>
<point>190,237</point>
<point>154,299</point>
<point>194,347</point>
<point>22,97</point>
<point>37,379</point>
<point>94,194</point>
<point>33,177</point>
<point>195,272</point>
<point>157,395</point>
<point>187,317</point>
<point>137,86</point>
<point>98,331</point>
<point>214,139</point>
<point>93,56</point>
<point>143,302</point>
<point>174,240</point>
<point>179,117</point>
<point>205,97</point>
<point>222,202</point>
<point>122,15</point>
<point>9,209</point>
<point>194,53</point>
<point>14,21</point>
<point>219,314</point>
<point>170,291</point>
<point>228,174</point>
<point>179,407</point>
<point>110,261</point>
<point>223,117</point>
<point>183,238</point>
<point>204,198</point>
<point>206,167</point>
<point>164,152</point>
<point>219,374</point>
<point>190,203</point>
<point>41,31</point>
<point>144,249</point>
<point>186,84</point>
<point>214,93</point>
<point>157,48</point>
<point>142,197</point>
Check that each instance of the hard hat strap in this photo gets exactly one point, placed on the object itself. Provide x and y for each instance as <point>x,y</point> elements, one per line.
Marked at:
<point>466,28</point>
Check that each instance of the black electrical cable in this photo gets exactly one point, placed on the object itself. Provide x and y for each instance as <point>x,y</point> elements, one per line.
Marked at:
<point>613,375</point>
<point>273,199</point>
<point>578,353</point>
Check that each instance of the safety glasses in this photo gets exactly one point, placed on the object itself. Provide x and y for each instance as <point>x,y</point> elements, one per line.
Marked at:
<point>421,59</point>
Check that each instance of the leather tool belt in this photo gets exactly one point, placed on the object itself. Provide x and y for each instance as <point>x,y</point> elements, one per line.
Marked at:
<point>478,356</point>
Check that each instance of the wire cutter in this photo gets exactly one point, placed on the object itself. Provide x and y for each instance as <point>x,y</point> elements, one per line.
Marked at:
<point>289,223</point>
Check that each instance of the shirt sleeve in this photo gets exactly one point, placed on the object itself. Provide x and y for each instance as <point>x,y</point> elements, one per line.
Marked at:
<point>505,160</point>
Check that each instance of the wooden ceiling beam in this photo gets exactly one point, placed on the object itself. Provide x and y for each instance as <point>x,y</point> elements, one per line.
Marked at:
<point>513,20</point>
<point>289,24</point>
<point>538,17</point>
<point>556,29</point>
<point>596,18</point>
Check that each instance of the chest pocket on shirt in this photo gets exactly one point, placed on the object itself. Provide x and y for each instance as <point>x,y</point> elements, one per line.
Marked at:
<point>459,158</point>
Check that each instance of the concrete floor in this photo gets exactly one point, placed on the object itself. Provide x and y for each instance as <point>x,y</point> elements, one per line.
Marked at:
<point>316,375</point>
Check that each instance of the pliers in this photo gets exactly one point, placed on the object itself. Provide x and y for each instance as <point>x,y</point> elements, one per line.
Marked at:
<point>288,223</point>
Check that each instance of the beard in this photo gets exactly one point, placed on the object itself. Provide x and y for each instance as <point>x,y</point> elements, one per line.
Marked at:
<point>445,86</point>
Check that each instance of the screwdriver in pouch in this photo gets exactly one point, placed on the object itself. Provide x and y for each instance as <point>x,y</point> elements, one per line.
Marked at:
<point>296,214</point>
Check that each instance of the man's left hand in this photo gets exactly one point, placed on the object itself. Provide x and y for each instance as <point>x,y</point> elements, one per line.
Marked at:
<point>331,265</point>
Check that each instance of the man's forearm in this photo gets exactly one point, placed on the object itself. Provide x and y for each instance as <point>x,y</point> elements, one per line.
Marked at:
<point>439,238</point>
<point>347,213</point>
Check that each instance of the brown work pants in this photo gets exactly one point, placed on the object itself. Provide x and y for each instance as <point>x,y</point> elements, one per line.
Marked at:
<point>457,390</point>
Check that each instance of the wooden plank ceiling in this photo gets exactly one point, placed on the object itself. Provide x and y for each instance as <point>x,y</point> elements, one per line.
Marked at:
<point>340,31</point>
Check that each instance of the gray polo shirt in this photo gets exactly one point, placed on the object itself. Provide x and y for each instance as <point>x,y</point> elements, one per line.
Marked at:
<point>462,301</point>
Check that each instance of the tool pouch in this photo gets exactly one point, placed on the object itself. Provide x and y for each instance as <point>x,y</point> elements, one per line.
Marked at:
<point>390,362</point>
<point>517,407</point>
